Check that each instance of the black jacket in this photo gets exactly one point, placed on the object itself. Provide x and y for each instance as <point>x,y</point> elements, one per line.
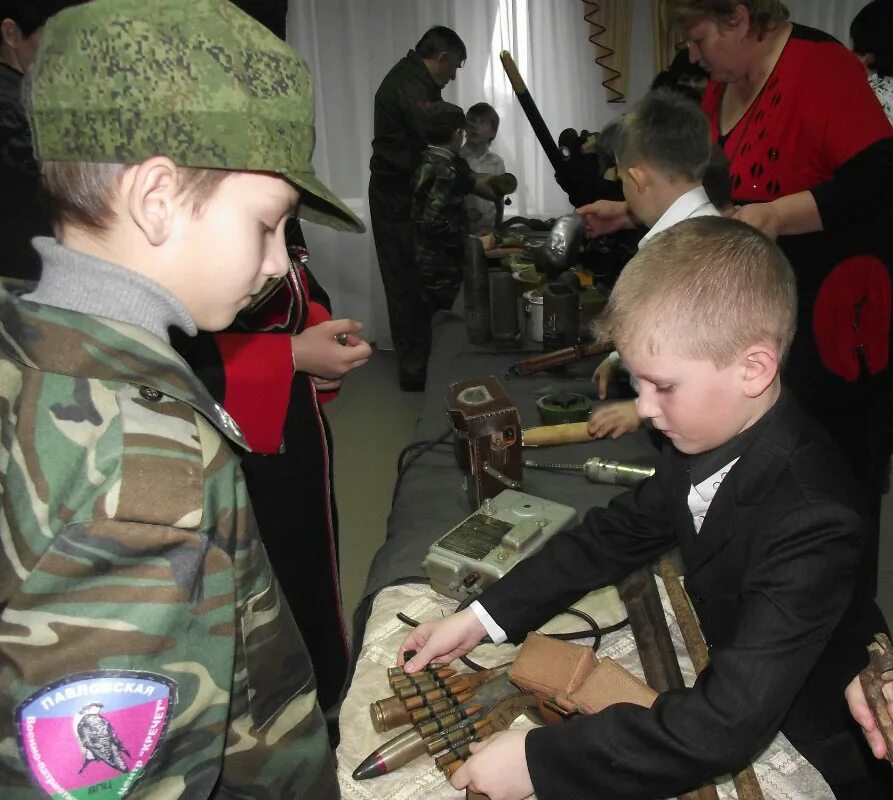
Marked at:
<point>771,576</point>
<point>398,139</point>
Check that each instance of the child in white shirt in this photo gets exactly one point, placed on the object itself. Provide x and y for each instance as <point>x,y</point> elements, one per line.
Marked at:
<point>482,122</point>
<point>663,151</point>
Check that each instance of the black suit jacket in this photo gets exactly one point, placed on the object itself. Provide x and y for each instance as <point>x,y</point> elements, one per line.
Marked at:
<point>771,576</point>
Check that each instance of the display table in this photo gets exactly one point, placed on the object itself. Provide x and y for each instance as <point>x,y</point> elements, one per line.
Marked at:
<point>430,501</point>
<point>431,498</point>
<point>782,772</point>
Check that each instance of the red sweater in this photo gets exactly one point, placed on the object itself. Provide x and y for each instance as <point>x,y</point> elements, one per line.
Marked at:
<point>817,126</point>
<point>259,372</point>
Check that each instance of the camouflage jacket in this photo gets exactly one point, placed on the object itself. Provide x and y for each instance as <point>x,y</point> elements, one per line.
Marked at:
<point>439,186</point>
<point>144,646</point>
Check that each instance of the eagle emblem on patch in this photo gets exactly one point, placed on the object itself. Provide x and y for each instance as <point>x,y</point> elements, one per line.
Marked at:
<point>92,734</point>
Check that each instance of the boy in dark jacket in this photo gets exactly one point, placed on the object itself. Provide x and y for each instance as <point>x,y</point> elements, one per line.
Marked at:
<point>769,523</point>
<point>439,220</point>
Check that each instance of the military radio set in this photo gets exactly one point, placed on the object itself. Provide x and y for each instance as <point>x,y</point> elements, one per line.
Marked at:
<point>506,525</point>
<point>492,540</point>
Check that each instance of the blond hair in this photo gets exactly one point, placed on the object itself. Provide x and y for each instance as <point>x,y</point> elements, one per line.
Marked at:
<point>708,288</point>
<point>764,14</point>
<point>81,192</point>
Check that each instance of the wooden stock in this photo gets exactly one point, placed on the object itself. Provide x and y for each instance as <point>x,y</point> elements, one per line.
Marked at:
<point>566,433</point>
<point>639,594</point>
<point>746,784</point>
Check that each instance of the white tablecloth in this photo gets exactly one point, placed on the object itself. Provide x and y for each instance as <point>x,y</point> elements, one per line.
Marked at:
<point>783,773</point>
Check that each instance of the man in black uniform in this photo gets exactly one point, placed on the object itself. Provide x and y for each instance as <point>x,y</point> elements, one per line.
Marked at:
<point>411,85</point>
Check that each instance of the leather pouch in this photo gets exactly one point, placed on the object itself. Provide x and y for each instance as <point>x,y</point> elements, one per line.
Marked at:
<point>607,684</point>
<point>549,667</point>
<point>571,676</point>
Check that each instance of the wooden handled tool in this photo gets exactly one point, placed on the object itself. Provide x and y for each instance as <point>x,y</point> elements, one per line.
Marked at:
<point>555,358</point>
<point>566,433</point>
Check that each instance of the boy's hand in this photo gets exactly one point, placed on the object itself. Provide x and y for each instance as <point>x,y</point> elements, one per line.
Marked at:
<point>497,767</point>
<point>317,352</point>
<point>326,384</point>
<point>603,374</point>
<point>606,216</point>
<point>855,698</point>
<point>614,420</point>
<point>442,640</point>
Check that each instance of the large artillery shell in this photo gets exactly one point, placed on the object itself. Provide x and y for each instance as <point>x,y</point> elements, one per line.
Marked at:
<point>388,713</point>
<point>391,755</point>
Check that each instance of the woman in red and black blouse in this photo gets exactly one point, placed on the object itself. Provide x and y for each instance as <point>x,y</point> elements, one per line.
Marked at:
<point>811,162</point>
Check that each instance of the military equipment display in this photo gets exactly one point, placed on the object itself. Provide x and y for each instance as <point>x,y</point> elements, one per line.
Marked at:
<point>486,545</point>
<point>487,437</point>
<point>500,717</point>
<point>599,470</point>
<point>398,680</point>
<point>391,712</point>
<point>556,358</point>
<point>449,723</point>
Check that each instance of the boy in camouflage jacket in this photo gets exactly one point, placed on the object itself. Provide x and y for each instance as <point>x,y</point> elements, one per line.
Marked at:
<point>145,649</point>
<point>439,220</point>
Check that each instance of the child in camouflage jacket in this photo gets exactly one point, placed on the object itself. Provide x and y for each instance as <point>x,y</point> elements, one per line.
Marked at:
<point>144,644</point>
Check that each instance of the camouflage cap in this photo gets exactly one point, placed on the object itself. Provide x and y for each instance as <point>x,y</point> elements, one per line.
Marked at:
<point>199,81</point>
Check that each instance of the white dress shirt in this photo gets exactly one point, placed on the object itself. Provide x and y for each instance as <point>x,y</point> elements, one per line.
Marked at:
<point>694,203</point>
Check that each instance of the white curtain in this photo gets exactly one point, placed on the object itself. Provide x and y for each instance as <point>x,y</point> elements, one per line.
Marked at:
<point>831,16</point>
<point>351,44</point>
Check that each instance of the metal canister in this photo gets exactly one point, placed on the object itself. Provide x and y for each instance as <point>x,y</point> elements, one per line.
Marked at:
<point>561,316</point>
<point>476,292</point>
<point>504,309</point>
<point>602,470</point>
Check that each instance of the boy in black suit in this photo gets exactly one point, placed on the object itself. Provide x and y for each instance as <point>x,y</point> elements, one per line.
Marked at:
<point>769,524</point>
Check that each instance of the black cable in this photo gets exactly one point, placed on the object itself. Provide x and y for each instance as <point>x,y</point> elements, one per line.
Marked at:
<point>426,443</point>
<point>595,631</point>
<point>421,447</point>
